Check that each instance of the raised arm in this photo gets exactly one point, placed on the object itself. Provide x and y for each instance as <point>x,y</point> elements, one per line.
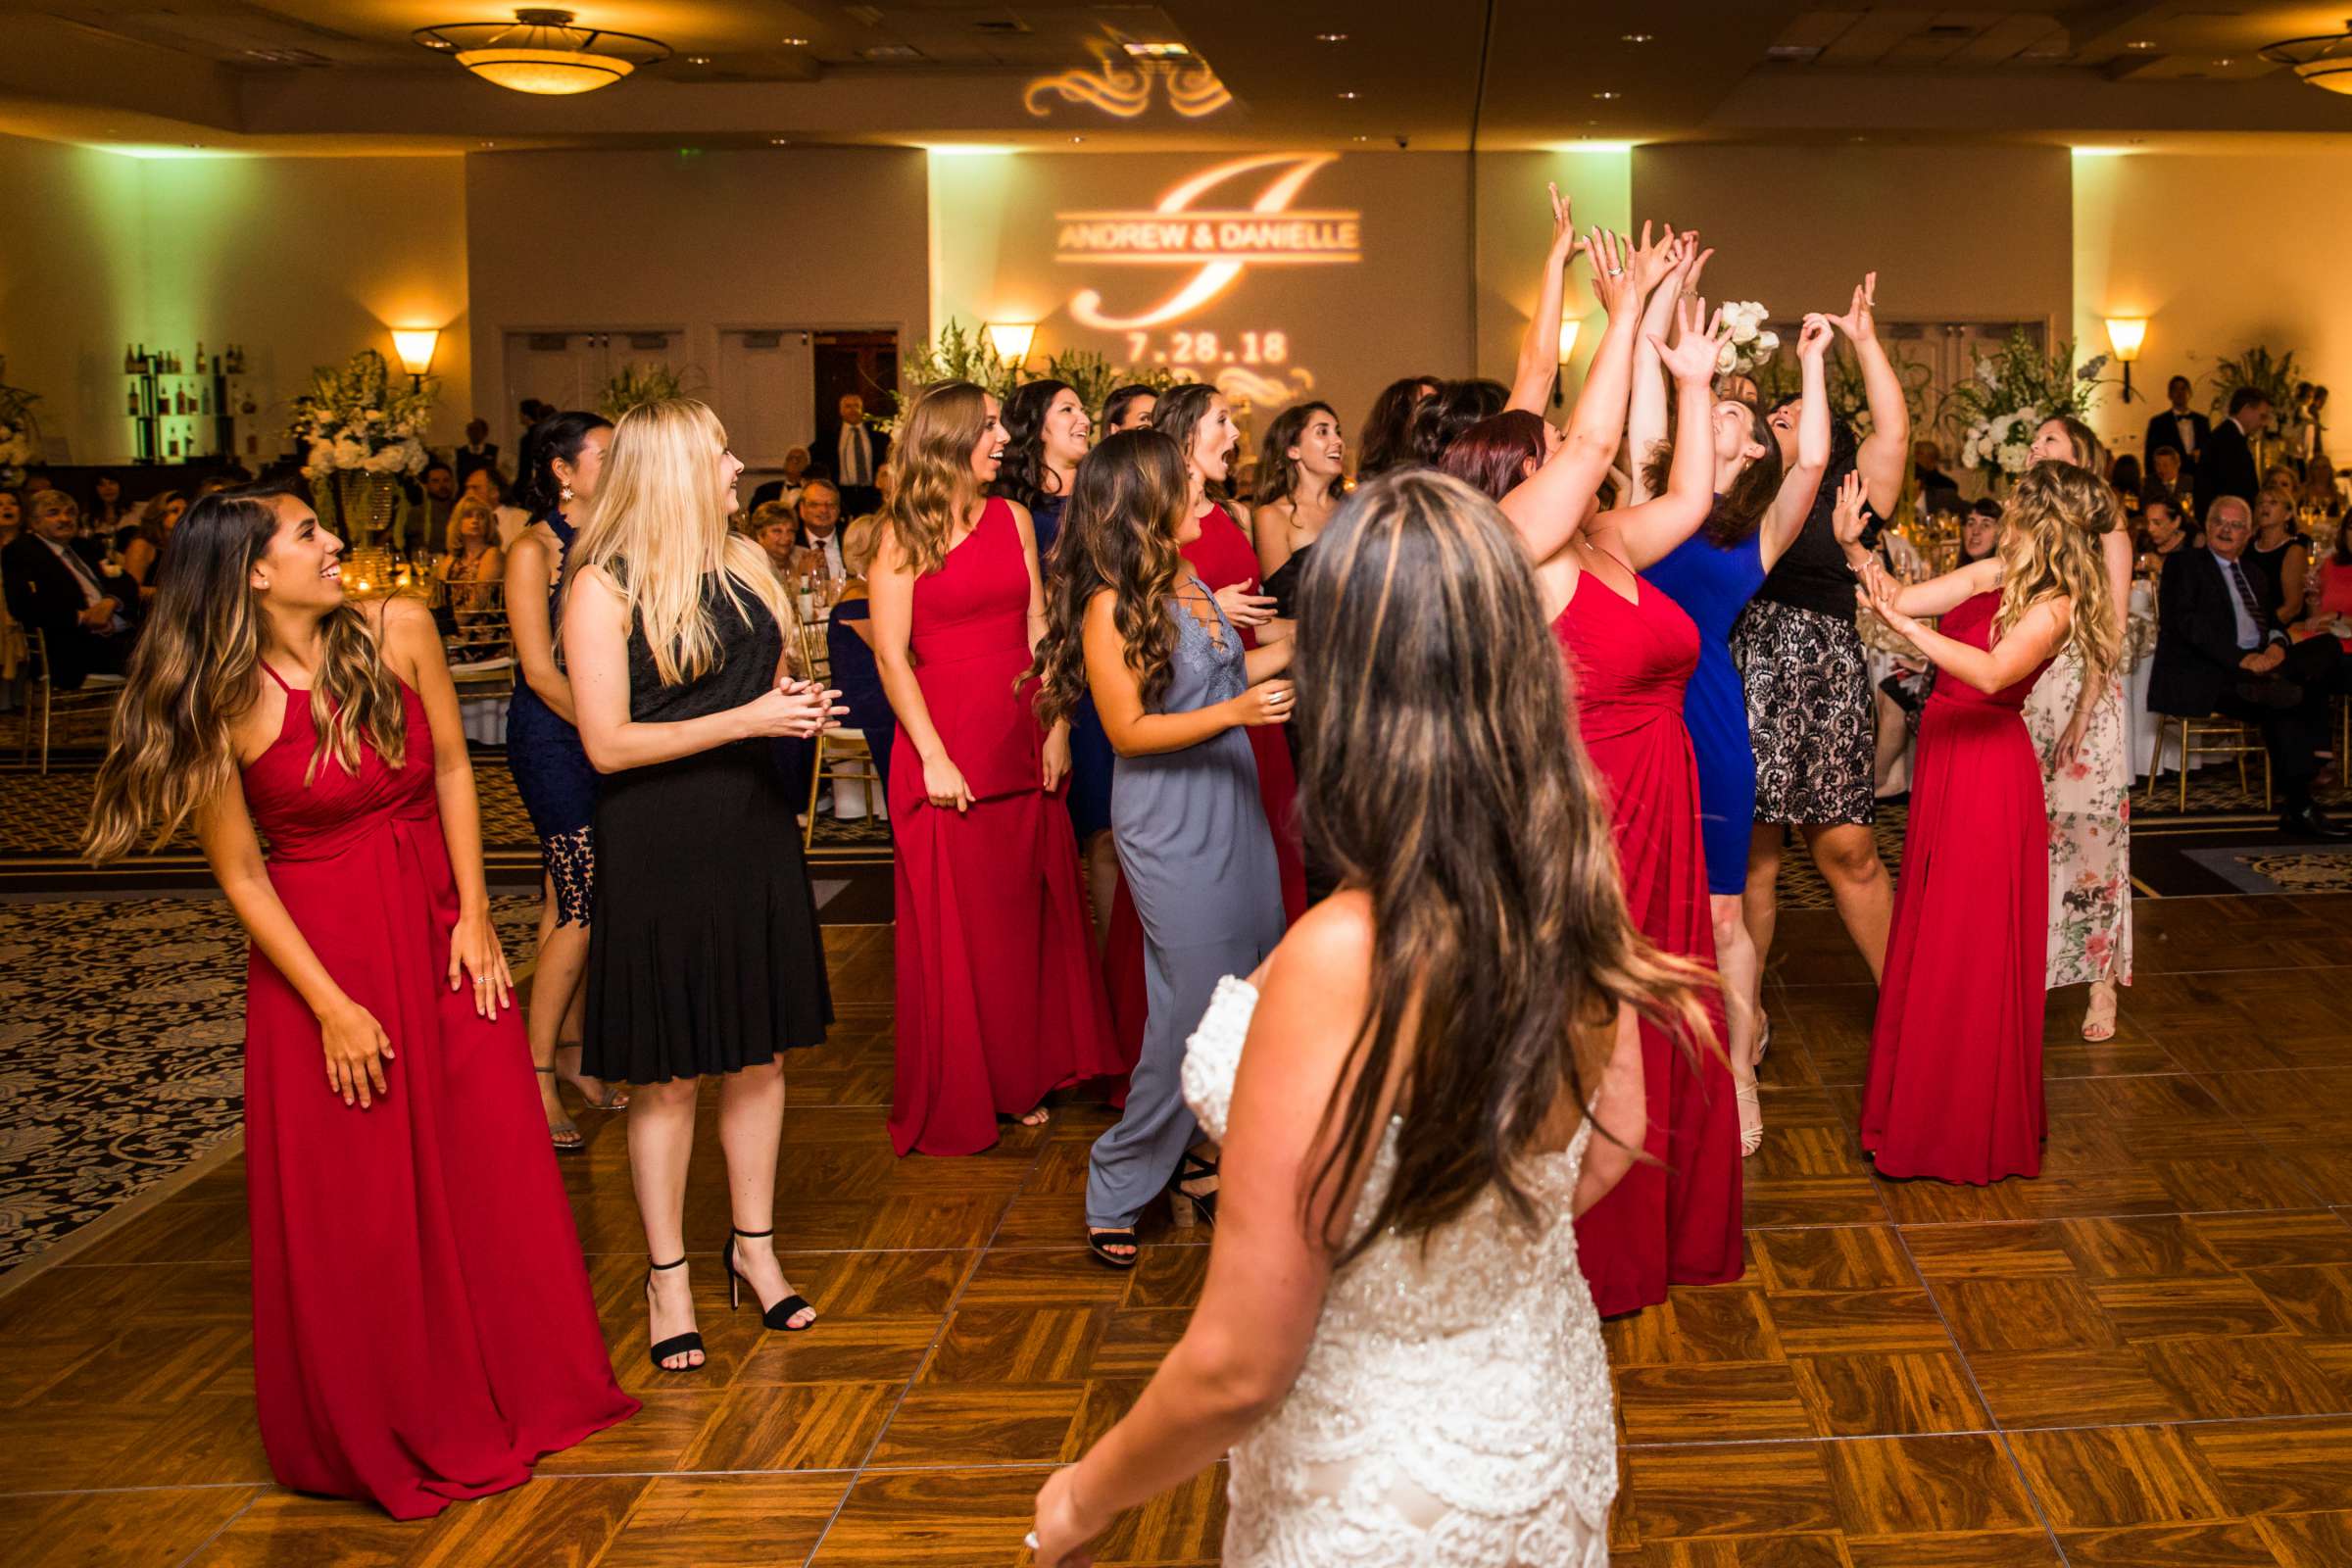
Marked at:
<point>1119,695</point>
<point>1645,416</point>
<point>1886,451</point>
<point>1540,346</point>
<point>528,569</point>
<point>1648,533</point>
<point>1929,597</point>
<point>1549,508</point>
<point>1793,502</point>
<point>596,645</point>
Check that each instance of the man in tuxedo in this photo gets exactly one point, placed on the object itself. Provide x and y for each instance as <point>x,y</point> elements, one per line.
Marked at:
<point>88,620</point>
<point>2219,651</point>
<point>2226,464</point>
<point>2179,427</point>
<point>479,452</point>
<point>856,453</point>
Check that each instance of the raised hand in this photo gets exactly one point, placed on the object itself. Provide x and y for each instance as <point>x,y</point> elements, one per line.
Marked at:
<point>1614,285</point>
<point>1565,241</point>
<point>1652,262</point>
<point>1857,323</point>
<point>1695,352</point>
<point>1813,340</point>
<point>1845,521</point>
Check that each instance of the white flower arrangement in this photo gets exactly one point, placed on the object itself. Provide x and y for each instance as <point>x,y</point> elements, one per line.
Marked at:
<point>2013,391</point>
<point>1750,345</point>
<point>2003,442</point>
<point>17,447</point>
<point>19,428</point>
<point>355,420</point>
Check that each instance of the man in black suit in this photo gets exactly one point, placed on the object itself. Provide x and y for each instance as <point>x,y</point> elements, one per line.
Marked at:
<point>855,452</point>
<point>2179,427</point>
<point>2219,651</point>
<point>88,620</point>
<point>479,452</point>
<point>2225,465</point>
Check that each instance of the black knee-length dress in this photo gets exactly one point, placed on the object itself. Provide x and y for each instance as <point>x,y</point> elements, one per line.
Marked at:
<point>703,955</point>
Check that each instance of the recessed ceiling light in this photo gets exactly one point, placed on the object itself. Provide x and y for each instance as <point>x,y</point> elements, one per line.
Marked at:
<point>486,146</point>
<point>795,43</point>
<point>1638,37</point>
<point>779,141</point>
<point>436,44</point>
<point>1074,140</point>
<point>1331,37</point>
<point>698,60</point>
<point>1350,96</point>
<point>1606,97</point>
<point>1359,138</point>
<point>2226,60</point>
<point>2141,43</point>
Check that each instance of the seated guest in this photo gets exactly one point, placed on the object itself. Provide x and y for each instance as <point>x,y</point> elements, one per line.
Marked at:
<point>2226,463</point>
<point>1981,531</point>
<point>474,571</point>
<point>2179,427</point>
<point>1927,469</point>
<point>2164,533</point>
<point>12,517</point>
<point>819,514</point>
<point>2318,491</point>
<point>486,486</point>
<point>140,541</point>
<point>2283,554</point>
<point>2129,482</point>
<point>440,482</point>
<point>2219,650</point>
<point>2330,610</point>
<point>850,646</point>
<point>2165,478</point>
<point>88,617</point>
<point>108,510</point>
<point>479,452</point>
<point>776,531</point>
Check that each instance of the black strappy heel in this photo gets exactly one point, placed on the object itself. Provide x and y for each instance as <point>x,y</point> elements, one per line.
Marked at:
<point>676,1344</point>
<point>1187,1209</point>
<point>778,1316</point>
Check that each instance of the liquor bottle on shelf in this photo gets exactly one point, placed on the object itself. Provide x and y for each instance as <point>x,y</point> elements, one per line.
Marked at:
<point>200,356</point>
<point>134,402</point>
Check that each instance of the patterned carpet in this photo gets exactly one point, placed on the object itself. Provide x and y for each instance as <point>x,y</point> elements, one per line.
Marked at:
<point>125,1022</point>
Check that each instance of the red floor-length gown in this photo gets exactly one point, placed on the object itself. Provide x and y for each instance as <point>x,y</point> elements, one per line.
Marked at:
<point>1955,1088</point>
<point>1221,557</point>
<point>422,1327</point>
<point>1676,1222</point>
<point>999,1001</point>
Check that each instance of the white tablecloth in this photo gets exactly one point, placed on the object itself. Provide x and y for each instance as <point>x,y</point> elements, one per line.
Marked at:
<point>484,719</point>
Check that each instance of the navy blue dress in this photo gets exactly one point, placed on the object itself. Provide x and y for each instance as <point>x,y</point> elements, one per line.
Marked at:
<point>858,679</point>
<point>1713,583</point>
<point>557,782</point>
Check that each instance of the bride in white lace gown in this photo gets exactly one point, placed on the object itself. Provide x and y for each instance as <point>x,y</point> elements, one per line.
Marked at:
<point>1394,1342</point>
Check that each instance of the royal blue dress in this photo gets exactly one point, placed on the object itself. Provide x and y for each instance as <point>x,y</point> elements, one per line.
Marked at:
<point>556,780</point>
<point>1713,583</point>
<point>1091,760</point>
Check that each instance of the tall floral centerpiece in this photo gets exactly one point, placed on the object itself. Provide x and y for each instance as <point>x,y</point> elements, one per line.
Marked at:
<point>2013,393</point>
<point>19,430</point>
<point>360,436</point>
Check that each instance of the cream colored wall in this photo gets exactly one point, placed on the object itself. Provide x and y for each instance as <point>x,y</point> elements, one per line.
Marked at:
<point>305,260</point>
<point>2220,253</point>
<point>1955,233</point>
<point>766,238</point>
<point>1514,234</point>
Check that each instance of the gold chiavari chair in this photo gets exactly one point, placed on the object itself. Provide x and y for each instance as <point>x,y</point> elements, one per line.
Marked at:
<point>841,753</point>
<point>46,707</point>
<point>481,649</point>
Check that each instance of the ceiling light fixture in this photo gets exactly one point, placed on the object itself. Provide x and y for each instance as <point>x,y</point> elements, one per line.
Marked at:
<point>794,43</point>
<point>2322,60</point>
<point>543,52</point>
<point>1637,38</point>
<point>698,60</point>
<point>779,141</point>
<point>2141,43</point>
<point>1349,97</point>
<point>1606,97</point>
<point>1331,37</point>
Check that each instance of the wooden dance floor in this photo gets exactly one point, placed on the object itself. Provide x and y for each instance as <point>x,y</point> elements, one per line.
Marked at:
<point>2142,1358</point>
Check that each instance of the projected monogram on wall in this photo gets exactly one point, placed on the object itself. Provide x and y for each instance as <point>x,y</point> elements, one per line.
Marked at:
<point>1120,83</point>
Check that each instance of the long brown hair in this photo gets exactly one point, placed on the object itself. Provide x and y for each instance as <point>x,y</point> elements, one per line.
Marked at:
<point>933,457</point>
<point>2050,546</point>
<point>197,671</point>
<point>1118,535</point>
<point>1441,772</point>
<point>1738,511</point>
<point>1278,472</point>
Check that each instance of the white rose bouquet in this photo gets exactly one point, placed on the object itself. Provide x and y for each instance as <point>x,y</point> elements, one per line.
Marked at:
<point>1748,344</point>
<point>355,420</point>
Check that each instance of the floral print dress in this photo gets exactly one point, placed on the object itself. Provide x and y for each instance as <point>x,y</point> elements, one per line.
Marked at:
<point>2090,802</point>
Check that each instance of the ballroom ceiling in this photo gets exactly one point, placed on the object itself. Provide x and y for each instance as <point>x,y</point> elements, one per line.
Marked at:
<point>323,77</point>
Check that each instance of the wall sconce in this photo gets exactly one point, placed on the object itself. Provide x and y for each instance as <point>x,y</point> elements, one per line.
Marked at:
<point>1569,328</point>
<point>415,346</point>
<point>2125,335</point>
<point>1011,340</point>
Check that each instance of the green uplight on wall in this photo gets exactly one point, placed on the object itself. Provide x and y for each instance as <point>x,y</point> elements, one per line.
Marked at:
<point>156,150</point>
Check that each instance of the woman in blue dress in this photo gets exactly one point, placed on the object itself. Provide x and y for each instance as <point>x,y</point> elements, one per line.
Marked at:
<point>560,459</point>
<point>849,655</point>
<point>1760,506</point>
<point>1046,431</point>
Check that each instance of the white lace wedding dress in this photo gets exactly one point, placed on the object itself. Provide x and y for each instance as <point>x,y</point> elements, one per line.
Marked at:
<point>1453,1411</point>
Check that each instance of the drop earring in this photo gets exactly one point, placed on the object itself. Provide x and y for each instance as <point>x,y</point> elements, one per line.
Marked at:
<point>565,492</point>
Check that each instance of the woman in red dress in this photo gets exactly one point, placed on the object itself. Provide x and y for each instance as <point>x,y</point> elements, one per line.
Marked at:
<point>1954,1087</point>
<point>1676,1217</point>
<point>423,1328</point>
<point>999,1000</point>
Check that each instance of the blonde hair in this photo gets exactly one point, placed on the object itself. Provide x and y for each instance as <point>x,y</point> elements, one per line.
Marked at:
<point>2049,548</point>
<point>936,486</point>
<point>857,541</point>
<point>658,527</point>
<point>454,540</point>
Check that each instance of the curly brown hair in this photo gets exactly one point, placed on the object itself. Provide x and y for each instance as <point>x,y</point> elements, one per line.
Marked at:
<point>1118,536</point>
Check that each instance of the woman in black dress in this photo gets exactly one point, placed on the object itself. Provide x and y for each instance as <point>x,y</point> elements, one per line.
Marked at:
<point>703,955</point>
<point>561,456</point>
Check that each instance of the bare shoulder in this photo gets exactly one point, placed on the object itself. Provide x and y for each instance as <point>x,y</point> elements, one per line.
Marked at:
<point>1327,953</point>
<point>400,616</point>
